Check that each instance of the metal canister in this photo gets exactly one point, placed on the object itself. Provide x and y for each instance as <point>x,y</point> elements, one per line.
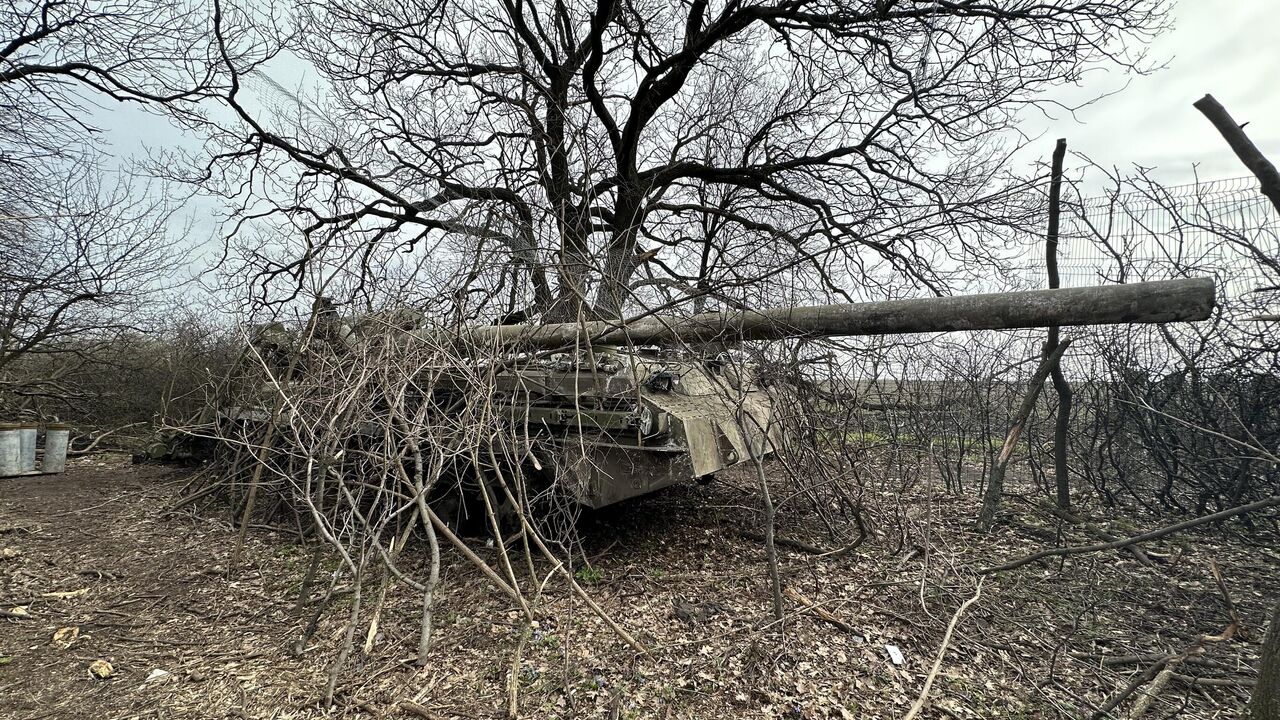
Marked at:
<point>10,449</point>
<point>56,437</point>
<point>27,446</point>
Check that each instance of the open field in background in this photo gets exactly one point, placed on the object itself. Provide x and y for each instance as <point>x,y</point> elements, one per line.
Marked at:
<point>150,592</point>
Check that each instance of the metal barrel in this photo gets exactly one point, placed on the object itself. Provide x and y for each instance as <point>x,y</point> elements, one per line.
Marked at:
<point>27,446</point>
<point>56,438</point>
<point>1146,302</point>
<point>10,449</point>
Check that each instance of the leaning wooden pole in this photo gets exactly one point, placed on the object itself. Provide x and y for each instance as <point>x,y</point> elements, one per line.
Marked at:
<point>1149,302</point>
<point>1265,704</point>
<point>1249,154</point>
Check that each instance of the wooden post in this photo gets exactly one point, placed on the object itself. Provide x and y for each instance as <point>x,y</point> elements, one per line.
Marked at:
<point>1060,385</point>
<point>1265,704</point>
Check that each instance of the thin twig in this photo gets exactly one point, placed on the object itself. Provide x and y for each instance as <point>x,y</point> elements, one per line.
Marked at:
<point>1152,535</point>
<point>942,652</point>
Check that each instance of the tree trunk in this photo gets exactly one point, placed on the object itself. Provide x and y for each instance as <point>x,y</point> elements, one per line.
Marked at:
<point>995,485</point>
<point>618,267</point>
<point>572,273</point>
<point>620,261</point>
<point>1060,384</point>
<point>1249,154</point>
<point>1265,704</point>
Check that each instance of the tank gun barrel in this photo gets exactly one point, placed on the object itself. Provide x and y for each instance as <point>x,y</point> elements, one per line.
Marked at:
<point>1145,302</point>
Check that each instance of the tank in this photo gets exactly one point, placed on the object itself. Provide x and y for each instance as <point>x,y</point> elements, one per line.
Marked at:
<point>614,410</point>
<point>640,409</point>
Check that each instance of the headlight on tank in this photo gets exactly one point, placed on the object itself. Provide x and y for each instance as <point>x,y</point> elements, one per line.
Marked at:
<point>648,420</point>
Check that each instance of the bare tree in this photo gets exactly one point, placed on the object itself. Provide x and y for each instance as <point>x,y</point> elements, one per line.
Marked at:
<point>596,155</point>
<point>82,247</point>
<point>80,274</point>
<point>57,59</point>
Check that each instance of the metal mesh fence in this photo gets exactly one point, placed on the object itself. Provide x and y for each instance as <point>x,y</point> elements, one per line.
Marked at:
<point>1154,233</point>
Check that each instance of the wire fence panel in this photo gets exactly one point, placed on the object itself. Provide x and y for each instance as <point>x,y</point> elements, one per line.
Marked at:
<point>1145,394</point>
<point>1153,233</point>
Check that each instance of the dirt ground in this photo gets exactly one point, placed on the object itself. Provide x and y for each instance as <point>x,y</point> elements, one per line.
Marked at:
<point>92,570</point>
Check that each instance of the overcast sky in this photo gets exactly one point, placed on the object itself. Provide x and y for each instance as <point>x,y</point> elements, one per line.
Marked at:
<point>1230,49</point>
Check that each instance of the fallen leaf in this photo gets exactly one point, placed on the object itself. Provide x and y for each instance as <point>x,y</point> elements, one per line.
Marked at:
<point>9,553</point>
<point>101,669</point>
<point>157,675</point>
<point>19,611</point>
<point>65,637</point>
